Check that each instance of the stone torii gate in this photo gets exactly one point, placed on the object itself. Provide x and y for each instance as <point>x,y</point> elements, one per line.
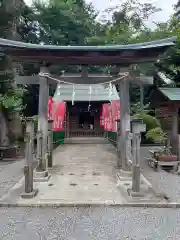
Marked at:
<point>122,56</point>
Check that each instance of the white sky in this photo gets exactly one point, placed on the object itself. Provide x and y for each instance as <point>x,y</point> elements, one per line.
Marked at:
<point>165,5</point>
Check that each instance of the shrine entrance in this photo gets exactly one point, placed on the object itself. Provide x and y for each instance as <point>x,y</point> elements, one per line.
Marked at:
<point>82,121</point>
<point>121,61</point>
<point>84,106</point>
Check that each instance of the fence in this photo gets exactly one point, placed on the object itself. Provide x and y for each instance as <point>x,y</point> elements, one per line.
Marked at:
<point>86,133</point>
<point>111,136</point>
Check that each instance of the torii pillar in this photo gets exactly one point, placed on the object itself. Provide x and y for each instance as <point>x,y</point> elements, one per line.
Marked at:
<point>42,169</point>
<point>125,125</point>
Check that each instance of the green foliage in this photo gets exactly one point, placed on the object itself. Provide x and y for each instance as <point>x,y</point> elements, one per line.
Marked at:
<point>65,22</point>
<point>10,96</point>
<point>35,123</point>
<point>74,22</point>
<point>150,121</point>
<point>136,108</point>
<point>156,135</point>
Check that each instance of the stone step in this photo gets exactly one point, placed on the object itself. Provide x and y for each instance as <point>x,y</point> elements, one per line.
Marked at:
<point>84,140</point>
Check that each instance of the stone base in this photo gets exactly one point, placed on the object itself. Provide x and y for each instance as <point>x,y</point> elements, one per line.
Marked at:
<point>135,194</point>
<point>42,176</point>
<point>29,195</point>
<point>50,160</point>
<point>125,173</point>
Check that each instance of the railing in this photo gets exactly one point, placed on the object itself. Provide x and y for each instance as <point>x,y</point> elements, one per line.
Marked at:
<point>111,136</point>
<point>86,133</point>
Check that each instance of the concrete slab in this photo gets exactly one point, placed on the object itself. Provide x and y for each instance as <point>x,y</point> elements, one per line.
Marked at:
<point>41,176</point>
<point>146,196</point>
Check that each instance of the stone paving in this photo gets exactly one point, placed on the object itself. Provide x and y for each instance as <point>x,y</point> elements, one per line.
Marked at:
<point>81,174</point>
<point>85,174</point>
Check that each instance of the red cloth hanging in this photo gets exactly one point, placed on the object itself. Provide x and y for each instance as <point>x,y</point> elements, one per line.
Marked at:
<point>110,120</point>
<point>50,103</point>
<point>115,114</point>
<point>58,115</point>
<point>106,116</point>
<point>101,118</point>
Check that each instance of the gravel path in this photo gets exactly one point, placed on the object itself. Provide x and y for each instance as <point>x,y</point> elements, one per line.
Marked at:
<point>10,173</point>
<point>89,223</point>
<point>162,181</point>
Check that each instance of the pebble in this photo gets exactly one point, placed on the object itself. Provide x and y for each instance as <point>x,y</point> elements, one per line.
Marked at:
<point>91,223</point>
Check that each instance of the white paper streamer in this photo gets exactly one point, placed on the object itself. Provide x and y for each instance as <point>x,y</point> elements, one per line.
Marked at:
<point>90,93</point>
<point>73,95</point>
<point>110,89</point>
<point>59,89</point>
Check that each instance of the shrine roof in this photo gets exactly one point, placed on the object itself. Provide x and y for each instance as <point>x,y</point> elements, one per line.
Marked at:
<point>95,55</point>
<point>173,94</point>
<point>99,93</point>
<point>164,79</point>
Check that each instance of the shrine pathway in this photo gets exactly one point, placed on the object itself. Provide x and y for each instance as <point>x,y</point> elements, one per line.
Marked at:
<point>81,174</point>
<point>84,173</point>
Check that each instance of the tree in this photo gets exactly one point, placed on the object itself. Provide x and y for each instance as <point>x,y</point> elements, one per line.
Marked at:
<point>10,96</point>
<point>64,22</point>
<point>177,8</point>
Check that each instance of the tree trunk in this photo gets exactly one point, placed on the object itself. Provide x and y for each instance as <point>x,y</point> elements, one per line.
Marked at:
<point>4,132</point>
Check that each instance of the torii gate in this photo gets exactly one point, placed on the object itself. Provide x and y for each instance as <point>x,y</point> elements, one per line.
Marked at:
<point>123,56</point>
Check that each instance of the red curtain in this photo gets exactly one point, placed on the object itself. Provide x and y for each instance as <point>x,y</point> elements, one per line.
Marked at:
<point>101,118</point>
<point>115,114</point>
<point>110,118</point>
<point>58,115</point>
<point>50,103</point>
<point>106,116</point>
<point>116,109</point>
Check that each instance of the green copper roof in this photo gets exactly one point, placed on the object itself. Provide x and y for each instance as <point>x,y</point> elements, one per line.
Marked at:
<point>122,55</point>
<point>99,93</point>
<point>152,44</point>
<point>172,94</point>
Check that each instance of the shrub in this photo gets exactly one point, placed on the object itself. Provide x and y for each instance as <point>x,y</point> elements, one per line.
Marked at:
<point>150,121</point>
<point>156,135</point>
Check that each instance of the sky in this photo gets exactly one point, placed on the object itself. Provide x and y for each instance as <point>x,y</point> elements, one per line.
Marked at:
<point>165,5</point>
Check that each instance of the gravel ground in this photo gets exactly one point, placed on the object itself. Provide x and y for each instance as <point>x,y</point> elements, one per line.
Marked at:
<point>162,181</point>
<point>89,223</point>
<point>10,173</point>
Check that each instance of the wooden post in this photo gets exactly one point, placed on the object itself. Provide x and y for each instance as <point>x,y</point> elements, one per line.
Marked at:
<point>124,123</point>
<point>118,141</point>
<point>137,127</point>
<point>39,149</point>
<point>141,99</point>
<point>42,174</point>
<point>175,147</point>
<point>50,143</point>
<point>175,122</point>
<point>136,163</point>
<point>129,149</point>
<point>42,117</point>
<point>28,168</point>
